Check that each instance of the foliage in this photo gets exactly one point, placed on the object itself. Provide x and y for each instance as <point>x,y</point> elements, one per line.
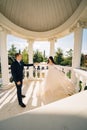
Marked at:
<point>80,86</point>
<point>58,58</point>
<point>12,51</point>
<point>83,62</point>
<point>11,54</point>
<point>61,60</point>
<point>25,56</point>
<point>68,59</point>
<point>0,68</point>
<point>38,57</point>
<point>66,62</point>
<point>44,57</point>
<point>69,74</point>
<point>69,53</point>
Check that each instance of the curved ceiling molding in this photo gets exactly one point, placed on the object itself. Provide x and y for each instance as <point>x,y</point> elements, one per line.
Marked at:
<point>41,18</point>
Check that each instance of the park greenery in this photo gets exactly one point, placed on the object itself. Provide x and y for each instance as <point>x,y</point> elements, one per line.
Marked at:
<point>38,56</point>
<point>60,58</point>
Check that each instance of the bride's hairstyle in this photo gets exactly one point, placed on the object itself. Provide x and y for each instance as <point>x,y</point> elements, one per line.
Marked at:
<point>51,58</point>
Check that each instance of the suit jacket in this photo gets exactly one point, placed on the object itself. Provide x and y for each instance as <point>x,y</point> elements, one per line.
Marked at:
<point>17,70</point>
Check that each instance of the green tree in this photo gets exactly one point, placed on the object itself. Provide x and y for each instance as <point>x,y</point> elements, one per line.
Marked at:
<point>38,57</point>
<point>11,53</point>
<point>69,53</point>
<point>85,64</point>
<point>68,59</point>
<point>0,69</point>
<point>19,51</point>
<point>82,63</point>
<point>25,56</point>
<point>58,58</point>
<point>44,57</point>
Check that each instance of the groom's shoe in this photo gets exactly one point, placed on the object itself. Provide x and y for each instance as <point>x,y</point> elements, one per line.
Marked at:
<point>23,96</point>
<point>22,104</point>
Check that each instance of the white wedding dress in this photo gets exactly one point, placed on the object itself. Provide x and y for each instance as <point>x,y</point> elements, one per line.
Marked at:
<point>55,85</point>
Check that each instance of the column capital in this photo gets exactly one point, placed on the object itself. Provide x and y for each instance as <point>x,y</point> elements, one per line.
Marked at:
<point>30,41</point>
<point>52,40</point>
<point>3,29</point>
<point>78,24</point>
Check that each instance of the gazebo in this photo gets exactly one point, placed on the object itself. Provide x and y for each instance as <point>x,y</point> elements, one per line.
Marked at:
<point>41,20</point>
<point>44,20</point>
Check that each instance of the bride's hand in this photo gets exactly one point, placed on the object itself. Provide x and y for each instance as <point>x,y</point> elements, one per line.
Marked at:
<point>36,64</point>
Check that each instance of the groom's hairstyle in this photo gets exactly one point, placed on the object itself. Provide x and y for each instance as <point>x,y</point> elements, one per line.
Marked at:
<point>17,54</point>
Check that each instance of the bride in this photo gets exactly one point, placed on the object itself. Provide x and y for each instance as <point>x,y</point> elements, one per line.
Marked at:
<point>55,85</point>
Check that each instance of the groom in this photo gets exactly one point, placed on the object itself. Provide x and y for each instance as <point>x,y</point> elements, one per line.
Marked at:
<point>17,73</point>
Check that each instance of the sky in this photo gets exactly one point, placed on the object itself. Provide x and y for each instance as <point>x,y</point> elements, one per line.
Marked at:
<point>66,43</point>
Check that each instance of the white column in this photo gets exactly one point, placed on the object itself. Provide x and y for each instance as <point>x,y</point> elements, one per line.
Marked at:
<point>52,47</point>
<point>4,57</point>
<point>77,47</point>
<point>78,33</point>
<point>30,50</point>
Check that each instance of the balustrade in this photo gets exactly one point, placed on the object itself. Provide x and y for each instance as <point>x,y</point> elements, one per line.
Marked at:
<point>40,70</point>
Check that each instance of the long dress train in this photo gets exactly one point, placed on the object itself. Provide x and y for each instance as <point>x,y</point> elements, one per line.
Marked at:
<point>55,85</point>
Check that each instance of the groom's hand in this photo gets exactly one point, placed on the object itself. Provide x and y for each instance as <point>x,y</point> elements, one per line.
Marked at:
<point>18,83</point>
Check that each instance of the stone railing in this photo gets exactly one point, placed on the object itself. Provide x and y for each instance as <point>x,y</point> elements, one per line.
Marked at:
<point>81,79</point>
<point>80,76</point>
<point>66,70</point>
<point>40,70</point>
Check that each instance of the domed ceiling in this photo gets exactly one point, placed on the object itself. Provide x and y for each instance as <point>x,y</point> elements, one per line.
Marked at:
<point>38,15</point>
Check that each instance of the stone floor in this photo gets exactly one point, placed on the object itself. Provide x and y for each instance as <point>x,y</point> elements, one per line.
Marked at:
<point>67,114</point>
<point>8,100</point>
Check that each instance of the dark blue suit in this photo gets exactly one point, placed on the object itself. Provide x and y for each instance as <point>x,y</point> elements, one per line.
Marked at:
<point>17,73</point>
